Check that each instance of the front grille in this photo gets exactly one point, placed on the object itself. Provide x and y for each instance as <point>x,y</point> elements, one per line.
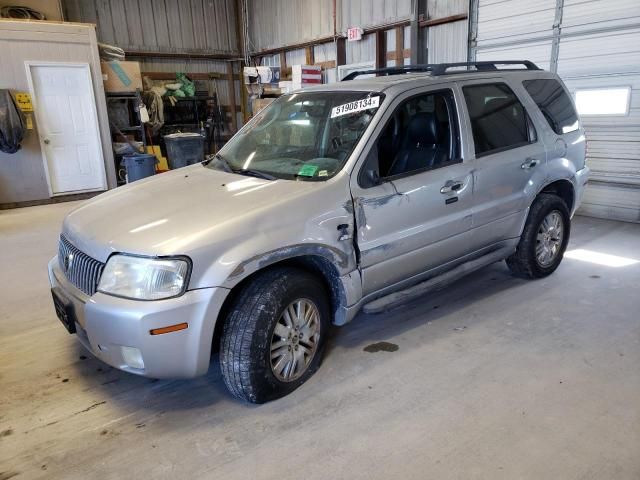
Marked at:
<point>80,269</point>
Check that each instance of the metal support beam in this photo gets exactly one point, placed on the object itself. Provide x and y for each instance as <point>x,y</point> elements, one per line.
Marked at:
<point>473,30</point>
<point>399,46</point>
<point>182,55</point>
<point>341,51</point>
<point>419,35</point>
<point>381,49</point>
<point>555,43</point>
<point>308,55</point>
<point>432,22</point>
<point>232,96</point>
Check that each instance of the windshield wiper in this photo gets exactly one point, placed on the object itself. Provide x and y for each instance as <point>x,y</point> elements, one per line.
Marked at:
<point>255,173</point>
<point>226,166</point>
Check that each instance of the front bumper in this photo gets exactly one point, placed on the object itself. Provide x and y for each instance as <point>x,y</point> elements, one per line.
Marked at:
<point>105,324</point>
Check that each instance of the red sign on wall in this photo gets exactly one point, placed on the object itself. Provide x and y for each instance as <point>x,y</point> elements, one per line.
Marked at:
<point>354,34</point>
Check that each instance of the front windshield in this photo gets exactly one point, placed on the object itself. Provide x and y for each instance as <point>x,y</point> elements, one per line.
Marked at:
<point>305,136</point>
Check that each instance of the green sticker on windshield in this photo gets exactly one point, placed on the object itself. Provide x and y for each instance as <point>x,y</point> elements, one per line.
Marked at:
<point>308,170</point>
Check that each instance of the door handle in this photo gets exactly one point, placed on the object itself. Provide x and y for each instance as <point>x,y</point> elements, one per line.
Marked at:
<point>46,141</point>
<point>529,163</point>
<point>451,186</point>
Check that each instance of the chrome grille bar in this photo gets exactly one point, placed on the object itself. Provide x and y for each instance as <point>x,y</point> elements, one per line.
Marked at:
<point>80,269</point>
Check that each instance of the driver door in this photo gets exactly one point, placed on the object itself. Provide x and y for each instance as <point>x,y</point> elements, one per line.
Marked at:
<point>413,193</point>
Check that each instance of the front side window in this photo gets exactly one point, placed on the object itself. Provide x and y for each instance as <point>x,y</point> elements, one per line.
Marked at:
<point>498,119</point>
<point>554,103</point>
<point>421,135</point>
<point>303,136</point>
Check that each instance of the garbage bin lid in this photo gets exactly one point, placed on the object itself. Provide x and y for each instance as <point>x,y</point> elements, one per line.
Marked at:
<point>182,135</point>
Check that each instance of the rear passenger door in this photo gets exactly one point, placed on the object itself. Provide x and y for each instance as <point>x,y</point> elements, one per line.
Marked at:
<point>509,158</point>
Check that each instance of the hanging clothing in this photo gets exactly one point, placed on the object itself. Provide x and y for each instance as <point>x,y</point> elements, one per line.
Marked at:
<point>11,123</point>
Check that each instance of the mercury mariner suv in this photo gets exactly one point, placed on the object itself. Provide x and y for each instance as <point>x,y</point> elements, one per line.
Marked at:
<point>331,199</point>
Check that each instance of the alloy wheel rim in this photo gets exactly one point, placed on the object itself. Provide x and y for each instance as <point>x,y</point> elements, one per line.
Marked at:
<point>295,340</point>
<point>549,239</point>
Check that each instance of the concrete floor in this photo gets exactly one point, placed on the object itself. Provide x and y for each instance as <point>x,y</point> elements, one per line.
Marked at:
<point>494,378</point>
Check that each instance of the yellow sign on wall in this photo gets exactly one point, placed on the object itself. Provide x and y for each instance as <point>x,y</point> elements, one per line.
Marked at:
<point>23,99</point>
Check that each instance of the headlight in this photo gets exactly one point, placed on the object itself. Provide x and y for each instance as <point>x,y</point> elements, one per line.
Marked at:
<point>143,278</point>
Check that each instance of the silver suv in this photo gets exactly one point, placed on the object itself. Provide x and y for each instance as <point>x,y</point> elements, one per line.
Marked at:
<point>330,199</point>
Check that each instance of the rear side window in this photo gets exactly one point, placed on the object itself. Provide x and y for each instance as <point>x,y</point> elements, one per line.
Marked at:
<point>498,119</point>
<point>554,103</point>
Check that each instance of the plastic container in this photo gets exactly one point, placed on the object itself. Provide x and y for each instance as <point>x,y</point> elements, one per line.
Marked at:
<point>139,166</point>
<point>184,149</point>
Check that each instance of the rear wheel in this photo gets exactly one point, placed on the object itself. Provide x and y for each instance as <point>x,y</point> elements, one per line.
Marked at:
<point>274,335</point>
<point>543,240</point>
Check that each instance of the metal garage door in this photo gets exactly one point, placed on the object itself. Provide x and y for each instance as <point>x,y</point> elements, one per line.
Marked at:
<point>595,47</point>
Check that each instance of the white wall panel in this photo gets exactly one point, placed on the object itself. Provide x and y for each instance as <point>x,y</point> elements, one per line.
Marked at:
<point>502,21</point>
<point>22,174</point>
<point>448,42</point>
<point>538,52</point>
<point>601,53</point>
<point>581,16</point>
<point>598,46</point>
<point>372,13</point>
<point>361,51</point>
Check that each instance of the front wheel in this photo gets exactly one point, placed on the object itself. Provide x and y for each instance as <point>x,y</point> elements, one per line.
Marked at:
<point>274,335</point>
<point>543,240</point>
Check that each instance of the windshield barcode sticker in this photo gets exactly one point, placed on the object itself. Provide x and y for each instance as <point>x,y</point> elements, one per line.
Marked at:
<point>357,106</point>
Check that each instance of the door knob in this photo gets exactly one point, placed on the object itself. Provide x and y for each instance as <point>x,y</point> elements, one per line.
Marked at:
<point>46,141</point>
<point>451,186</point>
<point>529,163</point>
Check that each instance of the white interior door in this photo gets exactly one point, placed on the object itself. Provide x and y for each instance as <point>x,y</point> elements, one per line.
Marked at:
<point>65,110</point>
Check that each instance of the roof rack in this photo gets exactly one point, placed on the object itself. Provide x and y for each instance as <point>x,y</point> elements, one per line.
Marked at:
<point>389,71</point>
<point>437,69</point>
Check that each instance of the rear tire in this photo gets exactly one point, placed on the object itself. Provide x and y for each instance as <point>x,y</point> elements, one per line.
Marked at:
<point>264,353</point>
<point>543,240</point>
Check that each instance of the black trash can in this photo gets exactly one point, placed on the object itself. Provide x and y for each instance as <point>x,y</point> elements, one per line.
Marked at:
<point>184,149</point>
<point>139,166</point>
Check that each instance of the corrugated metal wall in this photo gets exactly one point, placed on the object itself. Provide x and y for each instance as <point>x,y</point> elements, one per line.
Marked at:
<point>372,13</point>
<point>278,23</point>
<point>591,44</point>
<point>205,26</point>
<point>172,26</point>
<point>447,42</point>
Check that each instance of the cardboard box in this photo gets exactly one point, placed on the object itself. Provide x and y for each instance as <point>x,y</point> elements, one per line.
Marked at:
<point>121,76</point>
<point>265,75</point>
<point>258,104</point>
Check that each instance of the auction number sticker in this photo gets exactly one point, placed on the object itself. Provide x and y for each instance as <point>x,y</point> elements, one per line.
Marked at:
<point>357,106</point>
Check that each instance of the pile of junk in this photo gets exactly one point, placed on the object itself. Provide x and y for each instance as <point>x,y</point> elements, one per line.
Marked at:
<point>158,124</point>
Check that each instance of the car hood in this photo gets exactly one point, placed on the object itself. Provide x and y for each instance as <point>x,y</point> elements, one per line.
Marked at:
<point>172,213</point>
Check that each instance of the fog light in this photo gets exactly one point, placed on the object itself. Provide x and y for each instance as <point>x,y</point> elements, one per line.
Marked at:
<point>132,357</point>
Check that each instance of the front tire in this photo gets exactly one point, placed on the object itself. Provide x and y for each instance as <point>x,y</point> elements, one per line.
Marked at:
<point>274,335</point>
<point>543,240</point>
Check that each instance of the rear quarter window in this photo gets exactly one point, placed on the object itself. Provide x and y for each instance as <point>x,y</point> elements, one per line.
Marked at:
<point>554,103</point>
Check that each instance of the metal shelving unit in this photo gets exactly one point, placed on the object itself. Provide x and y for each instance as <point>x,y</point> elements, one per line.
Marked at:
<point>133,101</point>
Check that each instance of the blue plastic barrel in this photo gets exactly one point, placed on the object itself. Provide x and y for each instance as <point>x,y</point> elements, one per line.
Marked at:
<point>139,166</point>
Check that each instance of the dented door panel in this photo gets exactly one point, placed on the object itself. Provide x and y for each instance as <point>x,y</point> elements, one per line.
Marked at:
<point>408,226</point>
